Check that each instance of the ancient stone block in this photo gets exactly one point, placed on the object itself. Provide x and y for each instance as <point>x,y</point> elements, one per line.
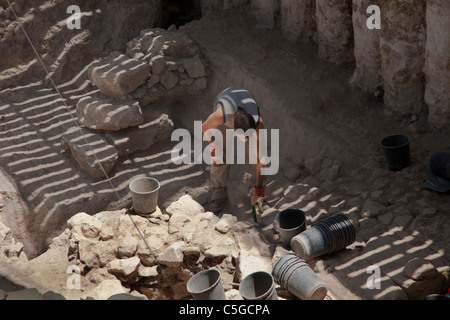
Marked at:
<point>402,44</point>
<point>117,75</point>
<point>105,113</point>
<point>90,150</point>
<point>156,126</point>
<point>334,30</point>
<point>437,62</point>
<point>367,73</point>
<point>298,20</point>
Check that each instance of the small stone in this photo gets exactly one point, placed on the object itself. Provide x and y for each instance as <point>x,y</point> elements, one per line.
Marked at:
<point>158,64</point>
<point>420,269</point>
<point>194,67</point>
<point>106,289</point>
<point>292,173</point>
<point>429,212</point>
<point>226,223</point>
<point>127,247</point>
<point>372,208</point>
<point>148,272</point>
<point>385,219</point>
<point>169,79</point>
<point>313,164</point>
<point>124,267</point>
<point>83,223</point>
<point>200,83</point>
<point>173,255</point>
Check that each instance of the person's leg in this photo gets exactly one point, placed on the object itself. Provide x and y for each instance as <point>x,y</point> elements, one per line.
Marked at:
<point>218,179</point>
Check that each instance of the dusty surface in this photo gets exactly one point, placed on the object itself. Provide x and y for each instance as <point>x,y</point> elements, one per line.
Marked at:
<point>322,122</point>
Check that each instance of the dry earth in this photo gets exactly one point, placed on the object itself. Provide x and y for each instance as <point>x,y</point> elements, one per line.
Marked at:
<point>330,161</point>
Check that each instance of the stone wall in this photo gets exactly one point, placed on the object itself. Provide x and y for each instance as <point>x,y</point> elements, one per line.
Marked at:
<point>407,59</point>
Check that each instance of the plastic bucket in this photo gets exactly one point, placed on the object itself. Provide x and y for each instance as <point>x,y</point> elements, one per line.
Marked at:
<point>288,223</point>
<point>440,164</point>
<point>325,237</point>
<point>396,151</point>
<point>258,285</point>
<point>206,285</point>
<point>297,277</point>
<point>144,194</point>
<point>310,243</point>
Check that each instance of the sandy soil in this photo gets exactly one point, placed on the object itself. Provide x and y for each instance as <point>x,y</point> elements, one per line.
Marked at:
<point>310,101</point>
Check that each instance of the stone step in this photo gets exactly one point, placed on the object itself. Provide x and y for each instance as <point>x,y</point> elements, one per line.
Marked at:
<point>157,126</point>
<point>101,112</point>
<point>118,75</point>
<point>90,150</point>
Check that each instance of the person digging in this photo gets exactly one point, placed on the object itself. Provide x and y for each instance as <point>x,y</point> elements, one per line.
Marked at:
<point>234,108</point>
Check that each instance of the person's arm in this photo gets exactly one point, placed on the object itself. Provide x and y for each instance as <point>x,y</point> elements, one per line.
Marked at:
<point>215,119</point>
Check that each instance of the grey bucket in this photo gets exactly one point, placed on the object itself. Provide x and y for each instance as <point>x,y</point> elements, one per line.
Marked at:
<point>396,151</point>
<point>206,285</point>
<point>144,194</point>
<point>325,237</point>
<point>288,223</point>
<point>296,276</point>
<point>258,285</point>
<point>309,244</point>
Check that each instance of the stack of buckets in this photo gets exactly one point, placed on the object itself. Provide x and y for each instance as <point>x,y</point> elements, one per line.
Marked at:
<point>291,271</point>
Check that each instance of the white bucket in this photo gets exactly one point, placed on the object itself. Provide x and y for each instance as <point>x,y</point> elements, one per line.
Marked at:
<point>144,194</point>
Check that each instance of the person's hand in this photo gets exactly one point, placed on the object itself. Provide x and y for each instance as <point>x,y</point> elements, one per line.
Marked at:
<point>257,196</point>
<point>213,148</point>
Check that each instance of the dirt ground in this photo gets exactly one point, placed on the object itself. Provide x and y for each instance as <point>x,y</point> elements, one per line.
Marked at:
<point>322,119</point>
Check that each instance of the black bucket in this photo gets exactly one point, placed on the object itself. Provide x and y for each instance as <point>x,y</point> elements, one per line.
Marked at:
<point>440,164</point>
<point>288,223</point>
<point>328,236</point>
<point>396,151</point>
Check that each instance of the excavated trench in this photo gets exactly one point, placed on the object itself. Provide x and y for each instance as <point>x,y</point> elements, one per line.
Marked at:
<point>310,102</point>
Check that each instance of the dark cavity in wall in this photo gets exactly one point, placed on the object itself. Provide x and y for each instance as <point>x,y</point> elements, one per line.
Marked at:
<point>180,12</point>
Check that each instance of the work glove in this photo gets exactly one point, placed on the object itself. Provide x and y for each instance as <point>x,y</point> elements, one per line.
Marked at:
<point>257,196</point>
<point>212,150</point>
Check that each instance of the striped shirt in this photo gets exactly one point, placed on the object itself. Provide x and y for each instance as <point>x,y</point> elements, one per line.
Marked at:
<point>231,99</point>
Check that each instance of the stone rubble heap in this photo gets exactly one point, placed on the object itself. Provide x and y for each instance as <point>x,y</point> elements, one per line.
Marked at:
<point>128,112</point>
<point>110,249</point>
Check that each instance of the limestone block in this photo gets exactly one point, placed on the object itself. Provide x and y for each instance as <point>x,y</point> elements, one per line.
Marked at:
<point>298,19</point>
<point>158,64</point>
<point>127,247</point>
<point>367,73</point>
<point>186,205</point>
<point>194,67</point>
<point>90,150</point>
<point>85,224</point>
<point>124,267</point>
<point>156,126</point>
<point>173,255</point>
<point>334,30</point>
<point>437,62</point>
<point>117,75</point>
<point>106,289</point>
<point>402,48</point>
<point>251,261</point>
<point>225,223</point>
<point>169,79</point>
<point>103,113</point>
